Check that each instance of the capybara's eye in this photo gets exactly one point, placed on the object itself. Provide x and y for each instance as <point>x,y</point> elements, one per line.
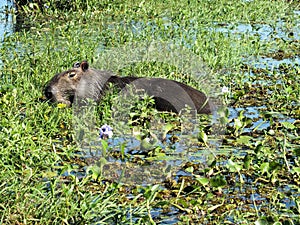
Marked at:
<point>71,75</point>
<point>76,65</point>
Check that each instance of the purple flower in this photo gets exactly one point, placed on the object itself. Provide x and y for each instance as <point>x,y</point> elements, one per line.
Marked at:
<point>225,90</point>
<point>105,132</point>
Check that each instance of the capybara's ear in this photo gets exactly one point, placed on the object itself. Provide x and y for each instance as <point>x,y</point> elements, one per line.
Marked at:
<point>84,66</point>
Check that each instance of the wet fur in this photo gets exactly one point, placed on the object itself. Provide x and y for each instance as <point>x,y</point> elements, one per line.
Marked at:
<point>82,82</point>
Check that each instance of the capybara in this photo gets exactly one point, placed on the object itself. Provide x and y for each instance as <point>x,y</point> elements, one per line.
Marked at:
<point>81,83</point>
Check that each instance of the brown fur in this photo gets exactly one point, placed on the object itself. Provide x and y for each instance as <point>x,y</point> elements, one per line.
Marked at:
<point>82,82</point>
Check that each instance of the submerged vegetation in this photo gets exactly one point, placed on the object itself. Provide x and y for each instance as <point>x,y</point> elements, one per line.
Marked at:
<point>241,168</point>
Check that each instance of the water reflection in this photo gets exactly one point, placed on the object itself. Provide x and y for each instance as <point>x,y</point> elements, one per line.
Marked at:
<point>7,19</point>
<point>280,29</point>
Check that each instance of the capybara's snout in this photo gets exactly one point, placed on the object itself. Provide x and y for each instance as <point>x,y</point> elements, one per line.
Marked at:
<point>48,92</point>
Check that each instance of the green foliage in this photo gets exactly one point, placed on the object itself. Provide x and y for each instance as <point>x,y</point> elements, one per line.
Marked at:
<point>253,177</point>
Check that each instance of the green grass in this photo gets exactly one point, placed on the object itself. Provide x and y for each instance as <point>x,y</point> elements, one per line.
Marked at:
<point>42,173</point>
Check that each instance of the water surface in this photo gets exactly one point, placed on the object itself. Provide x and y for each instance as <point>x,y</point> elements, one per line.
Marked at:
<point>7,19</point>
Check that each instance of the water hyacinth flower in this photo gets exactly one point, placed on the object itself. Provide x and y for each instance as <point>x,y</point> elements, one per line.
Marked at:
<point>225,90</point>
<point>105,132</point>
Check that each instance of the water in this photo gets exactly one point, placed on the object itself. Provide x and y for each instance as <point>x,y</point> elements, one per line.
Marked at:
<point>271,63</point>
<point>7,19</point>
<point>265,32</point>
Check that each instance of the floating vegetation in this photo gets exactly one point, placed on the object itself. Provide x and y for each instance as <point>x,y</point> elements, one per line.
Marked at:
<point>239,165</point>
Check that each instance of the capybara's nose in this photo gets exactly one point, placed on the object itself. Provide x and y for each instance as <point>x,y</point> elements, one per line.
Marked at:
<point>48,92</point>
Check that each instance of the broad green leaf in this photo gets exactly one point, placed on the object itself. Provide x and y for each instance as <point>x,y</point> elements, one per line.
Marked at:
<point>203,180</point>
<point>296,151</point>
<point>218,181</point>
<point>245,140</point>
<point>264,168</point>
<point>288,125</point>
<point>296,170</point>
<point>234,167</point>
<point>202,137</point>
<point>190,169</point>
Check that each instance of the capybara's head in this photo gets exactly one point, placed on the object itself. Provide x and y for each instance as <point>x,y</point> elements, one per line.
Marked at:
<point>62,87</point>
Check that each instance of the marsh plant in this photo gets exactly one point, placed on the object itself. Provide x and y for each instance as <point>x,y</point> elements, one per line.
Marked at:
<point>158,167</point>
<point>134,118</point>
